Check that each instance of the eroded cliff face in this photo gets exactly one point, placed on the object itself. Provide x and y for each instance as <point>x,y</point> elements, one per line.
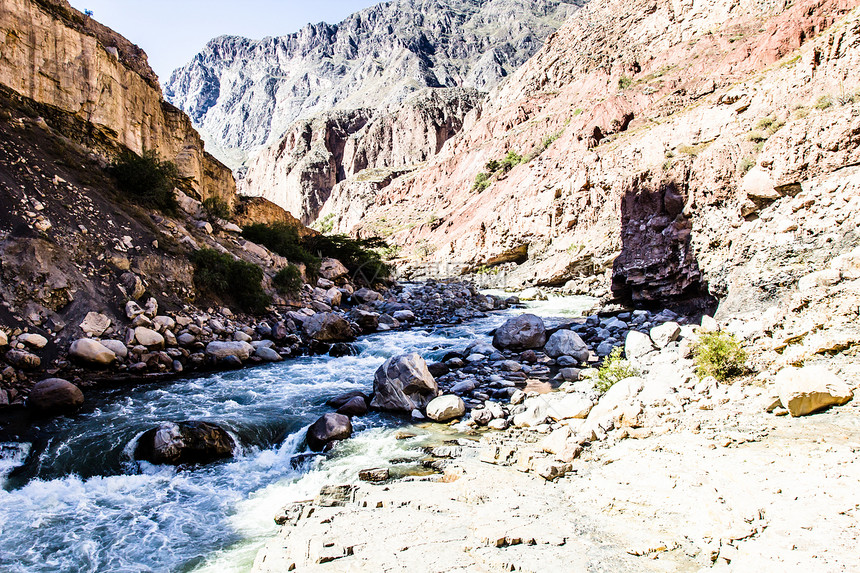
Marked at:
<point>244,94</point>
<point>345,150</point>
<point>54,55</point>
<point>653,135</point>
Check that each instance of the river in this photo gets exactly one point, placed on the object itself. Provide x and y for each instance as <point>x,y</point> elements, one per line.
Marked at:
<point>76,501</point>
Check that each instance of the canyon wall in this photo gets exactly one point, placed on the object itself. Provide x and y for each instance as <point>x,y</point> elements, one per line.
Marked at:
<point>54,55</point>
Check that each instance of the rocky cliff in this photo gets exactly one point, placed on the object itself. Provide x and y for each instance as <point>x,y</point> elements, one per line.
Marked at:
<point>349,149</point>
<point>54,55</point>
<point>245,93</point>
<point>649,139</point>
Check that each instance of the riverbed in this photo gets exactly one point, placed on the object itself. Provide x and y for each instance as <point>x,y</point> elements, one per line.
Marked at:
<point>73,498</point>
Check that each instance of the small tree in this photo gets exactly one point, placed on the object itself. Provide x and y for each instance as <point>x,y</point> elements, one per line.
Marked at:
<point>147,179</point>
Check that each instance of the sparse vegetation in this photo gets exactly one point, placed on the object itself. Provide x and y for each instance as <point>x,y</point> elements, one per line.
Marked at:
<point>217,208</point>
<point>288,280</point>
<point>147,179</point>
<point>219,274</point>
<point>693,150</point>
<point>744,165</point>
<point>614,369</point>
<point>823,102</point>
<point>324,225</point>
<point>496,168</point>
<point>283,239</point>
<point>720,355</point>
<point>482,181</point>
<point>624,82</point>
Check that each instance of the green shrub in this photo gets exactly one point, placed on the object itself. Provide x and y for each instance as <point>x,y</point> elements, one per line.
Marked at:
<point>482,181</point>
<point>823,102</point>
<point>221,275</point>
<point>624,82</point>
<point>217,208</point>
<point>493,165</point>
<point>614,369</point>
<point>283,239</point>
<point>288,280</point>
<point>324,225</point>
<point>511,160</point>
<point>147,179</point>
<point>744,165</point>
<point>362,257</point>
<point>719,355</point>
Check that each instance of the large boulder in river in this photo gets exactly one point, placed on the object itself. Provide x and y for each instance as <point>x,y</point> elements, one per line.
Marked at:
<point>445,408</point>
<point>184,443</point>
<point>92,352</point>
<point>356,406</point>
<point>328,327</point>
<point>55,396</point>
<point>327,429</point>
<point>521,333</point>
<point>566,343</point>
<point>810,389</point>
<point>403,384</point>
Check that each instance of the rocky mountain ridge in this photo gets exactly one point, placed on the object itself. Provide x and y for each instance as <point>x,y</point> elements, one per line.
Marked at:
<point>244,94</point>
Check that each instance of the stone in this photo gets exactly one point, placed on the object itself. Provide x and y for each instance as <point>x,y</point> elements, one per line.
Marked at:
<point>438,369</point>
<point>150,309</point>
<point>186,339</point>
<point>523,332</point>
<point>618,395</point>
<point>810,389</point>
<point>333,296</point>
<point>366,321</point>
<point>32,340</point>
<point>637,345</point>
<point>404,315</point>
<point>356,406</point>
<point>498,424</point>
<point>339,401</point>
<point>92,352</point>
<point>95,324</point>
<point>708,324</point>
<point>55,396</point>
<point>403,384</point>
<point>550,469</point>
<point>118,348</point>
<point>333,269</point>
<point>4,340</point>
<point>221,350</point>
<point>148,337</point>
<point>132,310</point>
<point>185,443</point>
<point>535,413</point>
<point>566,343</point>
<point>374,475</point>
<point>328,428</point>
<point>242,337</point>
<point>328,327</point>
<point>339,349</point>
<point>162,323</point>
<point>573,405</point>
<point>365,295</point>
<point>665,333</point>
<point>481,416</point>
<point>267,354</point>
<point>445,408</point>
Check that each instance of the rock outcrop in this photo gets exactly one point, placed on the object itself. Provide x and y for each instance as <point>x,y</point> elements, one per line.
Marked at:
<point>109,73</point>
<point>245,93</point>
<point>403,384</point>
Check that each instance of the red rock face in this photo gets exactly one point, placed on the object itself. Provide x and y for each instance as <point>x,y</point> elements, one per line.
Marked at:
<point>629,101</point>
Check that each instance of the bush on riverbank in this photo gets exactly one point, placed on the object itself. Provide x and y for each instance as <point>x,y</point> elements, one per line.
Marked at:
<point>288,280</point>
<point>720,355</point>
<point>219,274</point>
<point>614,369</point>
<point>360,256</point>
<point>147,179</point>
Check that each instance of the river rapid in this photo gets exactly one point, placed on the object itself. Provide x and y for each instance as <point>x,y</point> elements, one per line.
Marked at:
<point>73,499</point>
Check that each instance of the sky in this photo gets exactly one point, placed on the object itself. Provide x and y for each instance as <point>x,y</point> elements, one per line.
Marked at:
<point>171,32</point>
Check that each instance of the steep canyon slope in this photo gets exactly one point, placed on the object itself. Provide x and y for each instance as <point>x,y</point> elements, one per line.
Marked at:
<point>655,138</point>
<point>246,93</point>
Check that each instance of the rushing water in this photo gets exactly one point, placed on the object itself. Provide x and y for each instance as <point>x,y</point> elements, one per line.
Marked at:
<point>76,501</point>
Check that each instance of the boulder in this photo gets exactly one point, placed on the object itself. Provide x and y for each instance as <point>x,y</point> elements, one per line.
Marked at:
<point>356,406</point>
<point>366,321</point>
<point>620,394</point>
<point>95,324</point>
<point>404,315</point>
<point>566,343</point>
<point>637,345</point>
<point>221,350</point>
<point>333,269</point>
<point>573,405</point>
<point>445,408</point>
<point>521,333</point>
<point>148,337</point>
<point>115,346</point>
<point>23,360</point>
<point>55,396</point>
<point>333,296</point>
<point>267,354</point>
<point>33,340</point>
<point>184,443</point>
<point>4,340</point>
<point>438,369</point>
<point>339,349</point>
<point>534,414</point>
<point>665,333</point>
<point>328,327</point>
<point>339,401</point>
<point>92,352</point>
<point>365,295</point>
<point>327,429</point>
<point>403,384</point>
<point>810,389</point>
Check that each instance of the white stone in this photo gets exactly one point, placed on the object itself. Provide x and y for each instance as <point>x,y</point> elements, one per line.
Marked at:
<point>665,333</point>
<point>220,350</point>
<point>95,324</point>
<point>91,351</point>
<point>148,337</point>
<point>566,343</point>
<point>33,340</point>
<point>638,345</point>
<point>115,346</point>
<point>573,405</point>
<point>810,389</point>
<point>445,408</point>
